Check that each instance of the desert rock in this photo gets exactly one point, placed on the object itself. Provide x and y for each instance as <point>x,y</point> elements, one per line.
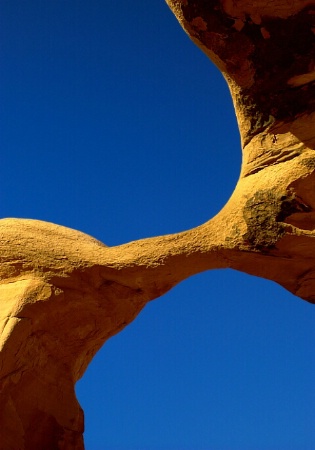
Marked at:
<point>63,293</point>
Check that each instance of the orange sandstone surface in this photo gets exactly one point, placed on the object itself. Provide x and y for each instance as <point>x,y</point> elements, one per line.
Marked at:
<point>63,293</point>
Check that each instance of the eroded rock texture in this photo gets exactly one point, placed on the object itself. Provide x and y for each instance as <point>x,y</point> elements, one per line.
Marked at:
<point>62,293</point>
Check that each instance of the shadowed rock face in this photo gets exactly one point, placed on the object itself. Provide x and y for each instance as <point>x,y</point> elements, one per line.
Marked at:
<point>62,293</point>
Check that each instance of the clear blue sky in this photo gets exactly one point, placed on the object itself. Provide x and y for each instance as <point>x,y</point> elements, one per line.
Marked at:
<point>114,123</point>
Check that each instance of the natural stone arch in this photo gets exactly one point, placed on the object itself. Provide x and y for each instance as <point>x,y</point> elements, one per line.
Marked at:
<point>63,293</point>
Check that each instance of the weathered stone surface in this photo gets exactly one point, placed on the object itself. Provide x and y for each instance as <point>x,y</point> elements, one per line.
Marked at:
<point>62,293</point>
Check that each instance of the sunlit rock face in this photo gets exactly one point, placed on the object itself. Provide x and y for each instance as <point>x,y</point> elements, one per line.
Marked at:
<point>63,293</point>
<point>56,311</point>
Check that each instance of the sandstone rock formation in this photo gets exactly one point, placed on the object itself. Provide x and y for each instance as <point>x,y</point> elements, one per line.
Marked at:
<point>62,293</point>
